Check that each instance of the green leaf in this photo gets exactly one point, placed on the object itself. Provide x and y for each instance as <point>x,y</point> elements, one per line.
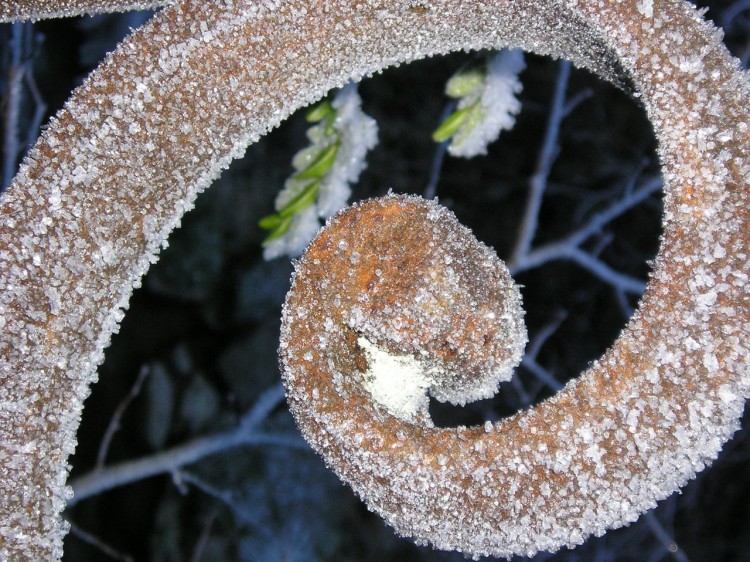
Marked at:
<point>269,222</point>
<point>279,231</point>
<point>319,111</point>
<point>451,124</point>
<point>330,120</point>
<point>321,165</point>
<point>304,199</point>
<point>474,116</point>
<point>465,81</point>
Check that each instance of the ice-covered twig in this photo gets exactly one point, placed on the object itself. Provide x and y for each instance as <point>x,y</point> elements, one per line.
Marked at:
<point>174,459</point>
<point>538,180</point>
<point>99,544</point>
<point>569,248</point>
<point>114,423</point>
<point>532,354</point>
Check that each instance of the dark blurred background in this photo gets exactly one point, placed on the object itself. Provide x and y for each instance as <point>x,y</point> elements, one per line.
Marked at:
<point>197,347</point>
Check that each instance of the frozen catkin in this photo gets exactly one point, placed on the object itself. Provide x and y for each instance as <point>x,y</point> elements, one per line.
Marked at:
<point>161,117</point>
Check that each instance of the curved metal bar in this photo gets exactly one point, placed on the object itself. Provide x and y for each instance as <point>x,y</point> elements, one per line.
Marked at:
<point>159,120</point>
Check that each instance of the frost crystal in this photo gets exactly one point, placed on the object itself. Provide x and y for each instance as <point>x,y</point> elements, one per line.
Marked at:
<point>354,134</point>
<point>497,105</point>
<point>19,10</point>
<point>397,382</point>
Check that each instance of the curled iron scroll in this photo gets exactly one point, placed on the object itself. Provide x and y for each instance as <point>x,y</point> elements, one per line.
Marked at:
<point>149,129</point>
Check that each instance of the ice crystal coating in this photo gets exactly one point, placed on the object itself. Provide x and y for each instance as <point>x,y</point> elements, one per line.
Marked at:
<point>423,306</point>
<point>498,105</point>
<point>37,9</point>
<point>355,134</point>
<point>119,165</point>
<point>399,383</point>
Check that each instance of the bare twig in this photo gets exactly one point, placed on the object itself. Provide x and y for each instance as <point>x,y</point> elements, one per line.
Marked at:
<point>625,307</point>
<point>114,423</point>
<point>523,395</point>
<point>182,477</point>
<point>664,538</point>
<point>171,460</point>
<point>20,51</point>
<point>569,247</point>
<point>40,109</point>
<point>522,256</point>
<point>618,280</point>
<point>576,100</point>
<point>200,545</point>
<point>530,358</point>
<point>13,104</point>
<point>262,408</point>
<point>554,250</point>
<point>436,167</point>
<point>617,209</point>
<point>732,11</point>
<point>99,544</point>
<point>545,159</point>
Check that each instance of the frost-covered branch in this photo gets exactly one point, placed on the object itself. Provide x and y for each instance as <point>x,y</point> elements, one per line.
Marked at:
<point>538,180</point>
<point>114,423</point>
<point>569,248</point>
<point>172,460</point>
<point>530,358</point>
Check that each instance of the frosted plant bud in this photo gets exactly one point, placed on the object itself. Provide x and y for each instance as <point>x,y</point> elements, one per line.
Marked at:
<point>487,103</point>
<point>324,171</point>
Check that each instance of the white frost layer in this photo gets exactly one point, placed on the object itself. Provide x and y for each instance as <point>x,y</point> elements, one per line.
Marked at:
<point>13,11</point>
<point>399,383</point>
<point>357,134</point>
<point>498,102</point>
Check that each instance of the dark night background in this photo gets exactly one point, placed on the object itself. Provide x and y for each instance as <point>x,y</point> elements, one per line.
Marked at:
<point>204,326</point>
